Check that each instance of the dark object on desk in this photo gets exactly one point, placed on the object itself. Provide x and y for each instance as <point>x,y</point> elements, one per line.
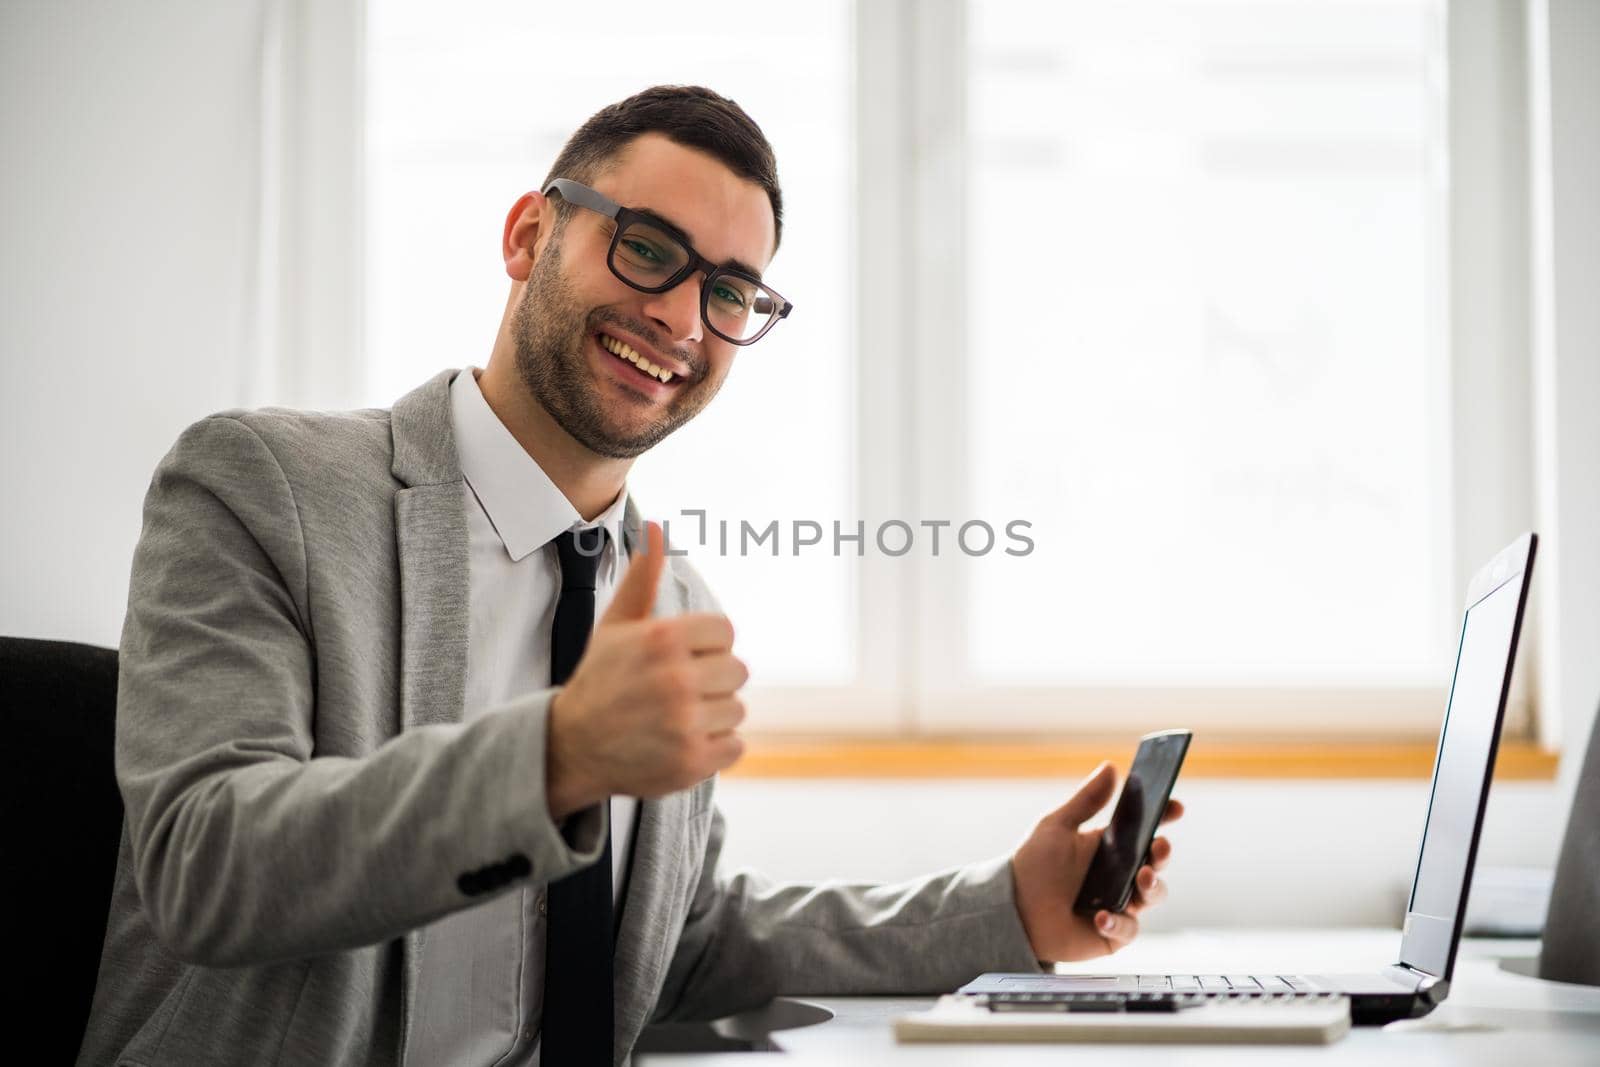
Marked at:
<point>1571,949</point>
<point>748,1031</point>
<point>63,822</point>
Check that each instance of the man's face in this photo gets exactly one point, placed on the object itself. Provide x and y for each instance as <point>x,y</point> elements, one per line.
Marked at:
<point>573,306</point>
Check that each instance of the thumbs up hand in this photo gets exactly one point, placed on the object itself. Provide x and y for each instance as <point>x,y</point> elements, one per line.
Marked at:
<point>653,705</point>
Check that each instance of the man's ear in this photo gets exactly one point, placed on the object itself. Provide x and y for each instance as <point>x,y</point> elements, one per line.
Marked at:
<point>528,226</point>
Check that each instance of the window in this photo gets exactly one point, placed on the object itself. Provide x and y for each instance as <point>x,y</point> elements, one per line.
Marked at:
<point>1204,344</point>
<point>1065,262</point>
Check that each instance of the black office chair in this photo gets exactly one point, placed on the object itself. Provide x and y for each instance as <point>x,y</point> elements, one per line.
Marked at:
<point>63,824</point>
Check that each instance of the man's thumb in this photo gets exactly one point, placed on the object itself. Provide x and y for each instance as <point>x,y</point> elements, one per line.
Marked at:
<point>1091,796</point>
<point>635,597</point>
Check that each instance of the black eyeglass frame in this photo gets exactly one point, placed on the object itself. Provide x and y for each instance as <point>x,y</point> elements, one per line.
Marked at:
<point>582,196</point>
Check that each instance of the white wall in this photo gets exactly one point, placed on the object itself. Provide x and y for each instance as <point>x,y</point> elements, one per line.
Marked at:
<point>1247,854</point>
<point>128,207</point>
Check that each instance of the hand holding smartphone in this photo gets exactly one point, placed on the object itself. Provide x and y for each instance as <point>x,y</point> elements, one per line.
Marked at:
<point>1126,842</point>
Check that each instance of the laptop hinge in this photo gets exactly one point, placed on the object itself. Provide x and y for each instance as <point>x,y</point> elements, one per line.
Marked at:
<point>1408,974</point>
<point>1428,986</point>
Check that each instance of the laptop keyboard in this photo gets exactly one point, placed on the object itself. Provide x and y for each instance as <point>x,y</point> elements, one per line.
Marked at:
<point>1225,983</point>
<point>1161,993</point>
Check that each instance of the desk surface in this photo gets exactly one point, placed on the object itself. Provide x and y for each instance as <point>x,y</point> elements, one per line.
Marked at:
<point>1493,1015</point>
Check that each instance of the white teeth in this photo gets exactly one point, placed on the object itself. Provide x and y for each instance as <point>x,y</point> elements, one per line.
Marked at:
<point>622,350</point>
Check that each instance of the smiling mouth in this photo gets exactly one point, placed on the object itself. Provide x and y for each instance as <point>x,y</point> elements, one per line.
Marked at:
<point>625,352</point>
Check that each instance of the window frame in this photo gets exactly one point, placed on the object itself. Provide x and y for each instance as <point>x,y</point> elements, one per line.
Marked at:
<point>911,61</point>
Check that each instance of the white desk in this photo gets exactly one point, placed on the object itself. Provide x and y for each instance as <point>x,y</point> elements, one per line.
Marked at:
<point>1493,1016</point>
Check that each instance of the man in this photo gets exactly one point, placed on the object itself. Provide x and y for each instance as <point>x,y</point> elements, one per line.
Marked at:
<point>389,799</point>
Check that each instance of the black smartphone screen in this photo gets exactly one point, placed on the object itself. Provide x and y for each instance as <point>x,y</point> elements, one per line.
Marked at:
<point>1126,842</point>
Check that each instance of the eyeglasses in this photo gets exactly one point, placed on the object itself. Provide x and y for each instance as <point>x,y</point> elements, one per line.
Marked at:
<point>653,257</point>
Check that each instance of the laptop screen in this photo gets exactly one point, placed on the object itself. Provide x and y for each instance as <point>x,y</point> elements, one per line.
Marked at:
<point>1461,777</point>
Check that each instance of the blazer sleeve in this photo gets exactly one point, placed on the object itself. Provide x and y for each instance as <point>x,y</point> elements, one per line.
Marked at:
<point>747,939</point>
<point>247,846</point>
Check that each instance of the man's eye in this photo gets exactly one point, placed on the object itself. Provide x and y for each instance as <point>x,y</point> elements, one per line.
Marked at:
<point>641,249</point>
<point>732,297</point>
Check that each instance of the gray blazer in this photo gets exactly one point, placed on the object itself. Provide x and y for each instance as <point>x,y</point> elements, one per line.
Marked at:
<point>303,796</point>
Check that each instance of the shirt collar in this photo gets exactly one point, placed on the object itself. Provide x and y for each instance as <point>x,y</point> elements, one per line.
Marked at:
<point>522,503</point>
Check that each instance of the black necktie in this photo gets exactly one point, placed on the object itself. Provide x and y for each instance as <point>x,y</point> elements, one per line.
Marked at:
<point>579,1016</point>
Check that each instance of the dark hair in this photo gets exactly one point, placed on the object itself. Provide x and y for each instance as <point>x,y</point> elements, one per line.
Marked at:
<point>689,115</point>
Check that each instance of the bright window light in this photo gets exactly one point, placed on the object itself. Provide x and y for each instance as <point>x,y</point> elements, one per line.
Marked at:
<point>1206,342</point>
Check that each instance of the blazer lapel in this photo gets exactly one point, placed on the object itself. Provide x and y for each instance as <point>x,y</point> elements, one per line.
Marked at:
<point>431,535</point>
<point>431,528</point>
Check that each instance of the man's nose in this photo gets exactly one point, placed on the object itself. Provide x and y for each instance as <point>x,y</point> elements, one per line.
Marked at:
<point>678,310</point>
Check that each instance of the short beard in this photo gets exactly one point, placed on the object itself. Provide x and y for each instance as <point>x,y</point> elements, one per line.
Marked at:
<point>549,332</point>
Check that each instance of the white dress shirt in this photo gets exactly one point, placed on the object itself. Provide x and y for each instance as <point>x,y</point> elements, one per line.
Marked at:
<point>476,998</point>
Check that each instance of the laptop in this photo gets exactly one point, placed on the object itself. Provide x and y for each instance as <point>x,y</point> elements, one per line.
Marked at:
<point>1431,932</point>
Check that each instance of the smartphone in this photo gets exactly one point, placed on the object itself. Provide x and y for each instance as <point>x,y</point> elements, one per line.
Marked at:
<point>1125,845</point>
